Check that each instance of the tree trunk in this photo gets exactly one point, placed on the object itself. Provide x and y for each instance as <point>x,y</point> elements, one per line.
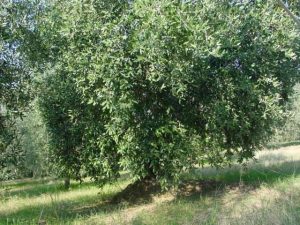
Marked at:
<point>151,174</point>
<point>67,183</point>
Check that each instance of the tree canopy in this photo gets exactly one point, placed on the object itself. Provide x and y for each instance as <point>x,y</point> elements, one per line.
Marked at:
<point>14,80</point>
<point>156,87</point>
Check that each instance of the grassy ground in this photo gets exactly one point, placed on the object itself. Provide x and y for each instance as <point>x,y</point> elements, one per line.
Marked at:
<point>268,192</point>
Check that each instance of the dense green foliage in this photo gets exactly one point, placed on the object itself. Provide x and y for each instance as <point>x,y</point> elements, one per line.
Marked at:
<point>165,85</point>
<point>295,6</point>
<point>14,94</point>
<point>152,87</point>
<point>61,109</point>
<point>16,29</point>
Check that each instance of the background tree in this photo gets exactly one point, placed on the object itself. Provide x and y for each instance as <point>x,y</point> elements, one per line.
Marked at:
<point>11,154</point>
<point>289,131</point>
<point>34,143</point>
<point>14,91</point>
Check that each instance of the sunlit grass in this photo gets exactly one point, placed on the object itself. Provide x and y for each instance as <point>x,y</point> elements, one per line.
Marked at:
<point>267,192</point>
<point>49,200</point>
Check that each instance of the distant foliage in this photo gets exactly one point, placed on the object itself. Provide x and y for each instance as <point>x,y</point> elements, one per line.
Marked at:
<point>34,144</point>
<point>25,147</point>
<point>11,154</point>
<point>290,130</point>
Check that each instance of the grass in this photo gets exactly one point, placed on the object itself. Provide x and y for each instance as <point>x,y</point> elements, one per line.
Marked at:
<point>267,192</point>
<point>276,145</point>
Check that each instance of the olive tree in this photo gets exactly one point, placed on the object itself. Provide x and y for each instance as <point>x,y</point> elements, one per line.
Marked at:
<point>167,85</point>
<point>14,91</point>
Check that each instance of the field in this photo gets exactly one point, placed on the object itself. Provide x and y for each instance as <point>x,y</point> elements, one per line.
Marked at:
<point>266,192</point>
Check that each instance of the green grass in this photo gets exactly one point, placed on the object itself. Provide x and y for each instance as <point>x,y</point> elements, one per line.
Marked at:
<point>267,192</point>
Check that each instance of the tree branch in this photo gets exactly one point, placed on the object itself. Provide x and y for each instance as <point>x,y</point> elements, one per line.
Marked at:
<point>288,11</point>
